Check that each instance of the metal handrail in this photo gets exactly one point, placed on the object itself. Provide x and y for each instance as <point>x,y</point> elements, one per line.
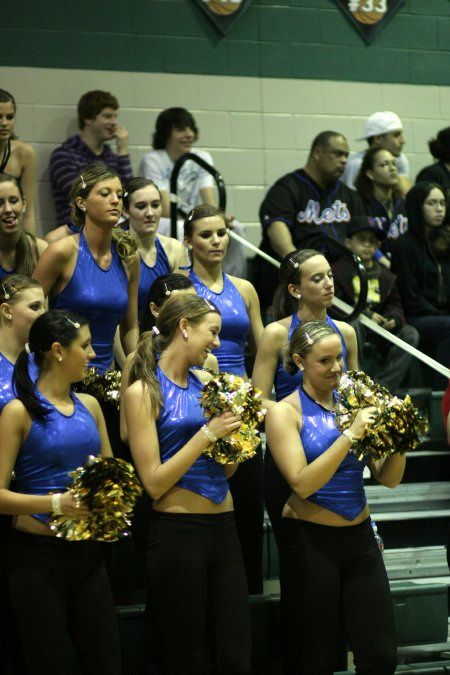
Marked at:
<point>220,183</point>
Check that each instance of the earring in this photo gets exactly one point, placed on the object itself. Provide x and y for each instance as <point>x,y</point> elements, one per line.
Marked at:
<point>59,357</point>
<point>185,335</point>
<point>83,208</point>
<point>301,367</point>
<point>8,316</point>
<point>298,296</point>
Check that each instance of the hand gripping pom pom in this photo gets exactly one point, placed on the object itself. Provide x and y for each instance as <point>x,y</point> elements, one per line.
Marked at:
<point>227,392</point>
<point>109,487</point>
<point>398,425</point>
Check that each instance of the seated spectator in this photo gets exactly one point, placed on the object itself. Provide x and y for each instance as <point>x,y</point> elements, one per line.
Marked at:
<point>439,172</point>
<point>175,134</point>
<point>97,119</point>
<point>19,250</point>
<point>421,260</point>
<point>384,130</point>
<point>303,205</point>
<point>17,158</point>
<point>383,306</point>
<point>377,184</point>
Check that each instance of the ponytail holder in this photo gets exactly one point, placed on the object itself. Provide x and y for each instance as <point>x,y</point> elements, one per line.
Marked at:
<point>155,330</point>
<point>27,348</point>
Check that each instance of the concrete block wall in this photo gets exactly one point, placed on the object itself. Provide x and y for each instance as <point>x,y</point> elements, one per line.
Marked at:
<point>255,128</point>
<point>287,70</point>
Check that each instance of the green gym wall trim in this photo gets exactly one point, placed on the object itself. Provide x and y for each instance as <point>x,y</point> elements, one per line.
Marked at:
<point>307,39</point>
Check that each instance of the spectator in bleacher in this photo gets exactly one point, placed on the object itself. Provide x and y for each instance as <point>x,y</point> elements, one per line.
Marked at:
<point>198,616</point>
<point>158,254</point>
<point>377,184</point>
<point>206,236</point>
<point>383,130</point>
<point>97,120</point>
<point>421,261</point>
<point>19,250</point>
<point>17,158</point>
<point>303,205</point>
<point>58,588</point>
<point>383,305</point>
<point>305,292</point>
<point>175,134</point>
<point>332,576</point>
<point>439,172</point>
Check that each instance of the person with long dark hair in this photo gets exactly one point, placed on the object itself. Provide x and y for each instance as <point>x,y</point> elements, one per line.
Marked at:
<point>58,588</point>
<point>439,172</point>
<point>198,618</point>
<point>332,574</point>
<point>421,261</point>
<point>378,185</point>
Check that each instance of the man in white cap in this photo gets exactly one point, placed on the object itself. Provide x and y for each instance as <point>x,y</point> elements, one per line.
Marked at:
<point>383,129</point>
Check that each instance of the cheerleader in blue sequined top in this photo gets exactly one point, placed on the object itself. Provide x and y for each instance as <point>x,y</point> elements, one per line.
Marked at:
<point>332,574</point>
<point>158,254</point>
<point>96,272</point>
<point>305,292</point>
<point>206,236</point>
<point>197,596</point>
<point>58,588</point>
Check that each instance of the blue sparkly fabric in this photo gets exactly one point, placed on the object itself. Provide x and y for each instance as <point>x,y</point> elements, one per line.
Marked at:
<point>101,296</point>
<point>55,445</point>
<point>285,383</point>
<point>235,324</point>
<point>181,416</point>
<point>344,493</point>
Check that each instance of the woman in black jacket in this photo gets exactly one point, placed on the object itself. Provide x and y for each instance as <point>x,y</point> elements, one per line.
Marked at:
<point>421,260</point>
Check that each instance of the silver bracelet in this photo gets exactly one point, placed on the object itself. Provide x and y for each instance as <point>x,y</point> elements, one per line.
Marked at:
<point>348,434</point>
<point>56,504</point>
<point>209,434</point>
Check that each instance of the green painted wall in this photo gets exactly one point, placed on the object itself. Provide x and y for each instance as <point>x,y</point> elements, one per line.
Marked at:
<point>284,39</point>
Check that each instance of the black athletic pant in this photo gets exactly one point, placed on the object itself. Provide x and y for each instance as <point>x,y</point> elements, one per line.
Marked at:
<point>198,612</point>
<point>333,577</point>
<point>58,589</point>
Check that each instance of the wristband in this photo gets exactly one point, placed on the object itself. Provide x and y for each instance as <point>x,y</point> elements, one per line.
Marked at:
<point>56,504</point>
<point>209,434</point>
<point>348,434</point>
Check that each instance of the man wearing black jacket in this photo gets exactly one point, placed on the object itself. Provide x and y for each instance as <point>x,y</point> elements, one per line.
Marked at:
<point>303,204</point>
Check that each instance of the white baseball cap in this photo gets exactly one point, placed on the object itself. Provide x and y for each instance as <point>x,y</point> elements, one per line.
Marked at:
<point>381,123</point>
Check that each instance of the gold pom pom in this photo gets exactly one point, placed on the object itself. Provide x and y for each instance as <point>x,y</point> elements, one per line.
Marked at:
<point>109,487</point>
<point>398,426</point>
<point>230,392</point>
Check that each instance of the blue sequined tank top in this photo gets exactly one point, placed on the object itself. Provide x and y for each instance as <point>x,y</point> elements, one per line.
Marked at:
<point>344,493</point>
<point>235,324</point>
<point>180,417</point>
<point>149,274</point>
<point>100,295</point>
<point>55,445</point>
